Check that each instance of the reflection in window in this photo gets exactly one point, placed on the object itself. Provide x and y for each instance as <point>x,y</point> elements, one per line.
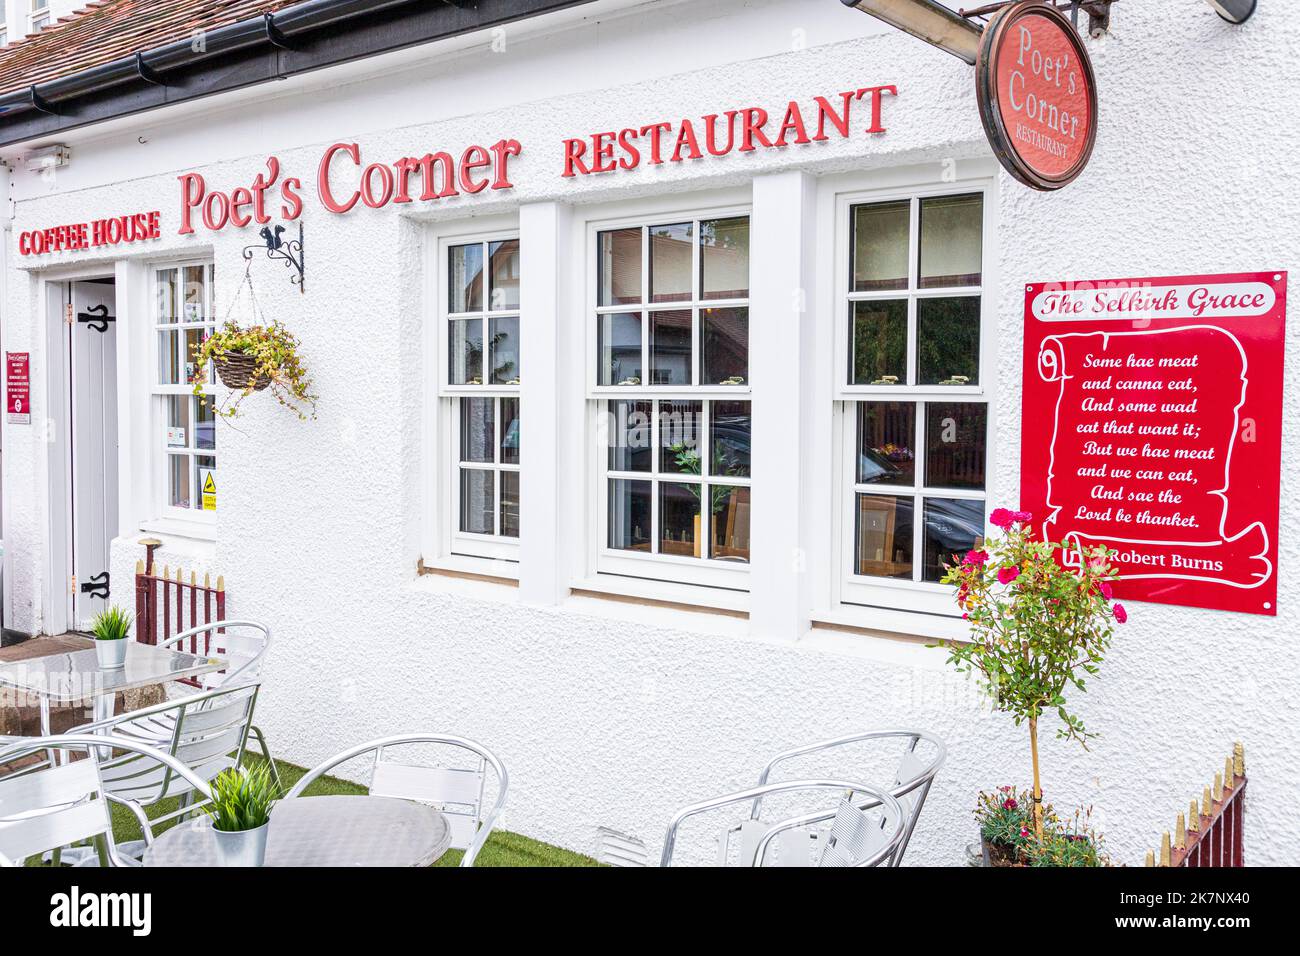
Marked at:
<point>880,238</point>
<point>883,536</point>
<point>948,341</point>
<point>952,238</point>
<point>953,526</point>
<point>879,342</point>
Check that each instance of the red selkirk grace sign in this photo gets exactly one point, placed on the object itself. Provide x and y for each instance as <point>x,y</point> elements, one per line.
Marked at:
<point>1152,424</point>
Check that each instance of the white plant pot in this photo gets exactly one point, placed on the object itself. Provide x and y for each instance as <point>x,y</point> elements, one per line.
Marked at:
<point>111,654</point>
<point>242,847</point>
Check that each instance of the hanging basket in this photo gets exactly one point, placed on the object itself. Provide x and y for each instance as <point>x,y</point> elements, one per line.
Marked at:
<point>239,371</point>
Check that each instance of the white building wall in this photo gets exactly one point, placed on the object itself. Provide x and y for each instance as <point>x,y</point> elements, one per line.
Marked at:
<point>613,715</point>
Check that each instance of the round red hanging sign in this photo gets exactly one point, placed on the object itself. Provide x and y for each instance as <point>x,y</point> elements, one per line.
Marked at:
<point>1037,94</point>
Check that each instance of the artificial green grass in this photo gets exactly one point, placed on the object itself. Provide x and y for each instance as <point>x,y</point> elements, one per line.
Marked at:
<point>501,849</point>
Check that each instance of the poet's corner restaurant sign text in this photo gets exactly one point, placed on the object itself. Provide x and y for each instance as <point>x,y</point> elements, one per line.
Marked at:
<point>1037,95</point>
<point>1152,424</point>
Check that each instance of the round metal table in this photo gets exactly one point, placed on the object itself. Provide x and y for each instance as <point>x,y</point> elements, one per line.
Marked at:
<point>323,831</point>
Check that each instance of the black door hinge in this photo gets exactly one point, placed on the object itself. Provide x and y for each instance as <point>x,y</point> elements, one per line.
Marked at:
<point>97,586</point>
<point>97,317</point>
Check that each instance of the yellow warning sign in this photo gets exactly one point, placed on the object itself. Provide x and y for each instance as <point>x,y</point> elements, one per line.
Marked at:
<point>209,480</point>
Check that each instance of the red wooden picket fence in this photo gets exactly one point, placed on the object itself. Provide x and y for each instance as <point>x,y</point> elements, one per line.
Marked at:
<point>1212,833</point>
<point>172,601</point>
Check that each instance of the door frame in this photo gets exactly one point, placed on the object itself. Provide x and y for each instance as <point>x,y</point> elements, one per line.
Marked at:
<point>55,289</point>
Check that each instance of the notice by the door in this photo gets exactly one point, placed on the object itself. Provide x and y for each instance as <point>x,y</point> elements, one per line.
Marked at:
<point>208,487</point>
<point>1152,424</point>
<point>18,387</point>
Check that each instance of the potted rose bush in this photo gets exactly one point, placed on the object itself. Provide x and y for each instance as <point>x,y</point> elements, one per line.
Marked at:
<point>1041,620</point>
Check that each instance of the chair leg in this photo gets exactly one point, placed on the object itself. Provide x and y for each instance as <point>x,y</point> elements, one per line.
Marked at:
<point>266,754</point>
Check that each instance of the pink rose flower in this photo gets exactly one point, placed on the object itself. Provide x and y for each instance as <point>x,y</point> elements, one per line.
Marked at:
<point>977,558</point>
<point>1007,575</point>
<point>1001,518</point>
<point>1121,615</point>
<point>1105,590</point>
<point>1023,516</point>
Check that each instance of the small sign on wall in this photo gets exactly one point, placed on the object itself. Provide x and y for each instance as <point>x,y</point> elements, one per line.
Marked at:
<point>18,389</point>
<point>1152,424</point>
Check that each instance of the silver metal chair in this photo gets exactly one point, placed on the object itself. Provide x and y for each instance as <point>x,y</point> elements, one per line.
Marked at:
<point>56,806</point>
<point>922,754</point>
<point>244,644</point>
<point>848,835</point>
<point>208,733</point>
<point>458,792</point>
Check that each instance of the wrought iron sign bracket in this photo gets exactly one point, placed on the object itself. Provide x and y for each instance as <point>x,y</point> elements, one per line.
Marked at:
<point>96,317</point>
<point>1098,12</point>
<point>290,253</point>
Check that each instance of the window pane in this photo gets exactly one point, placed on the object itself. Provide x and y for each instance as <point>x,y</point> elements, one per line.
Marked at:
<point>193,309</point>
<point>166,296</point>
<point>724,338</point>
<point>193,342</point>
<point>671,257</point>
<point>629,435</point>
<point>509,432</point>
<point>724,258</point>
<point>477,430</point>
<point>618,348</point>
<point>670,347</point>
<point>952,527</point>
<point>878,332</point>
<point>730,426</point>
<point>178,421</point>
<point>205,424</point>
<point>212,291</point>
<point>179,487</point>
<point>883,537</point>
<point>620,266</point>
<point>954,444</point>
<point>730,530</point>
<point>205,480</point>
<point>504,275</point>
<point>465,351</point>
<point>505,350</point>
<point>679,437</point>
<point>465,278</point>
<point>169,369</point>
<point>880,246</point>
<point>886,434</point>
<point>952,234</point>
<point>629,515</point>
<point>476,504</point>
<point>510,504</point>
<point>679,519</point>
<point>948,341</point>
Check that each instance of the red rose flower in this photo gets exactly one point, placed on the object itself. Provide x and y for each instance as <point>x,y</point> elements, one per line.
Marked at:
<point>1007,575</point>
<point>1121,615</point>
<point>1002,518</point>
<point>1105,590</point>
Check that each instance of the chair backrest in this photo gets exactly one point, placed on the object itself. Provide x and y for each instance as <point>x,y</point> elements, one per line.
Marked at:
<point>921,755</point>
<point>856,836</point>
<point>457,792</point>
<point>242,643</point>
<point>206,732</point>
<point>67,802</point>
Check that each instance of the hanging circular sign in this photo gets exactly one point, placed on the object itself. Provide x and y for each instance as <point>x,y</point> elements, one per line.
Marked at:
<point>1037,94</point>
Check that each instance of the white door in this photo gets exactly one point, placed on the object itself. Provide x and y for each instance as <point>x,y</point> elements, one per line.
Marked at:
<point>93,400</point>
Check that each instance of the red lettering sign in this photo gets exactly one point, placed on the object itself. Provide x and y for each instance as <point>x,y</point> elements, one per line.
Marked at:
<point>18,387</point>
<point>1152,424</point>
<point>717,134</point>
<point>115,230</point>
<point>1037,95</point>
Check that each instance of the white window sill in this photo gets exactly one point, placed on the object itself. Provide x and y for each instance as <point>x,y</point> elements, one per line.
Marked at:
<point>676,596</point>
<point>200,531</point>
<point>891,623</point>
<point>452,565</point>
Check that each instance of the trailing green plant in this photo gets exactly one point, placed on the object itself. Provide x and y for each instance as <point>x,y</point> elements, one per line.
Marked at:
<point>242,798</point>
<point>1037,626</point>
<point>112,624</point>
<point>274,349</point>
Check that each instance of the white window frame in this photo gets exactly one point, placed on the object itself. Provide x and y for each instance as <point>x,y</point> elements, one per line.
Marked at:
<point>39,16</point>
<point>159,453</point>
<point>666,570</point>
<point>850,589</point>
<point>443,544</point>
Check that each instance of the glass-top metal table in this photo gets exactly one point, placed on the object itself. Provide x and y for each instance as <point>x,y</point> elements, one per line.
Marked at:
<point>74,676</point>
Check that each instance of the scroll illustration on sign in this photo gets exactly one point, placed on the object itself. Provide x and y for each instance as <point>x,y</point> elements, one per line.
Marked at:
<point>1152,425</point>
<point>1183,446</point>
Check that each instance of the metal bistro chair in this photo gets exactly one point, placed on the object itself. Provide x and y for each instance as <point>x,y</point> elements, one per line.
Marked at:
<point>208,734</point>
<point>53,807</point>
<point>854,837</point>
<point>244,644</point>
<point>912,777</point>
<point>457,792</point>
